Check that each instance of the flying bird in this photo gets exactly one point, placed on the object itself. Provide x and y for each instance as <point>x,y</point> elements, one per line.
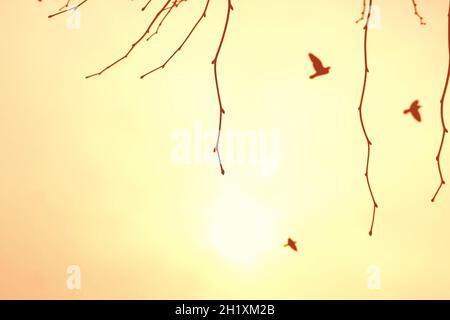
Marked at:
<point>414,110</point>
<point>291,243</point>
<point>318,67</point>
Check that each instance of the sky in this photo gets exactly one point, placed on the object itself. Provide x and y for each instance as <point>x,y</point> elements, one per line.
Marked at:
<point>109,187</point>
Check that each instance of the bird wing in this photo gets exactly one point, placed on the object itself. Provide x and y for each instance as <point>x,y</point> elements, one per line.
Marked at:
<point>317,64</point>
<point>415,104</point>
<point>292,244</point>
<point>416,114</point>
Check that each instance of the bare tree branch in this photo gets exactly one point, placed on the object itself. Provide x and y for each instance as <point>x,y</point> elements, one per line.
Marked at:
<point>369,143</point>
<point>146,5</point>
<point>175,5</point>
<point>444,127</point>
<point>416,12</point>
<point>214,62</point>
<point>134,44</point>
<point>65,6</point>
<point>363,12</point>
<point>167,8</point>
<point>68,9</point>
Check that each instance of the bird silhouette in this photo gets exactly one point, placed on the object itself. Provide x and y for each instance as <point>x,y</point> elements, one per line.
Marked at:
<point>414,110</point>
<point>318,67</point>
<point>291,243</point>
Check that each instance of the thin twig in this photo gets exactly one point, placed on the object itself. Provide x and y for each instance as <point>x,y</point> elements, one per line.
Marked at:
<point>145,7</point>
<point>416,12</point>
<point>214,62</point>
<point>369,143</point>
<point>162,66</point>
<point>68,9</point>
<point>175,5</point>
<point>168,8</point>
<point>444,127</point>
<point>65,6</point>
<point>134,44</point>
<point>363,12</point>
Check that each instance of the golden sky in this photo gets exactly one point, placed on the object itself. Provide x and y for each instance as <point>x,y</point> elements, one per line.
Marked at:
<point>116,175</point>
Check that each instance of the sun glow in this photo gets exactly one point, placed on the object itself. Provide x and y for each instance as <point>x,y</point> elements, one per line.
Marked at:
<point>241,229</point>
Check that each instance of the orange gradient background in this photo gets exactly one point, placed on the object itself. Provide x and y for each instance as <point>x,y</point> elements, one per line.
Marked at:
<point>87,176</point>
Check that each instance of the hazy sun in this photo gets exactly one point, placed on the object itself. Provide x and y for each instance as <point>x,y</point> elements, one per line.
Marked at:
<point>241,229</point>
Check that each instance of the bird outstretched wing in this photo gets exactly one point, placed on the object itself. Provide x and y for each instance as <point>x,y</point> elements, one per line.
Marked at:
<point>415,110</point>
<point>416,115</point>
<point>291,243</point>
<point>317,64</point>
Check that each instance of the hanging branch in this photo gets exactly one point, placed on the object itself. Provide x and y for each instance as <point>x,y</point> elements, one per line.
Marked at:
<point>416,12</point>
<point>214,62</point>
<point>444,127</point>
<point>167,8</point>
<point>369,143</point>
<point>366,71</point>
